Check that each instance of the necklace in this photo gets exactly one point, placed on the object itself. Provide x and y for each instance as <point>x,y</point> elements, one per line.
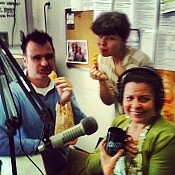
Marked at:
<point>128,165</point>
<point>134,165</point>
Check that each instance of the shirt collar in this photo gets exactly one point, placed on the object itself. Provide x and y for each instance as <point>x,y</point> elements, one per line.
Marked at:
<point>42,91</point>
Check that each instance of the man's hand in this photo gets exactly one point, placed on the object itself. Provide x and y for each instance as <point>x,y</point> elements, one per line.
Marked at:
<point>64,89</point>
<point>72,142</point>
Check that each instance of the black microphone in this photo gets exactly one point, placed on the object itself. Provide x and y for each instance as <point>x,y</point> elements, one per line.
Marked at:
<point>87,126</point>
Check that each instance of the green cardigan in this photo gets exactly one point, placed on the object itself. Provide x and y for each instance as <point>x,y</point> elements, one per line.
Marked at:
<point>158,149</point>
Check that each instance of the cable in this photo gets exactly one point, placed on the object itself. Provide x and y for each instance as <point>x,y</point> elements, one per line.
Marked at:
<point>45,20</point>
<point>27,155</point>
<point>14,22</point>
<point>40,138</point>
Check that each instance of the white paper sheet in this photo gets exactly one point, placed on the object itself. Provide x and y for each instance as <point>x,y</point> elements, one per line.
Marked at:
<point>165,50</point>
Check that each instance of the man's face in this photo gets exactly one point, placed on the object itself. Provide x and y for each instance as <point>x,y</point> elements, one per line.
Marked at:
<point>39,60</point>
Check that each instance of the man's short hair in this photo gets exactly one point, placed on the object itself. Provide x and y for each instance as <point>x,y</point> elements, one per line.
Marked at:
<point>39,37</point>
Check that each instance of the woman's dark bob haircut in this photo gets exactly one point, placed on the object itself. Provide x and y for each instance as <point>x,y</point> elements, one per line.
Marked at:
<point>112,23</point>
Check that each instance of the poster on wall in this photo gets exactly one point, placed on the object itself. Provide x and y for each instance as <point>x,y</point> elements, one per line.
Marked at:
<point>167,6</point>
<point>77,51</point>
<point>13,20</point>
<point>165,50</point>
<point>168,78</point>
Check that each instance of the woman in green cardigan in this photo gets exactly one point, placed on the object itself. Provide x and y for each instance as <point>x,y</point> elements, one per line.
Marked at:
<point>150,148</point>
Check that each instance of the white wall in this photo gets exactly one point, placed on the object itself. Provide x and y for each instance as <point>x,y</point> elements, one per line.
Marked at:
<point>38,13</point>
<point>85,89</point>
<point>87,94</point>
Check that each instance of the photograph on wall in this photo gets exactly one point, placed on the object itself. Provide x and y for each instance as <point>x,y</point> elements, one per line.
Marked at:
<point>77,51</point>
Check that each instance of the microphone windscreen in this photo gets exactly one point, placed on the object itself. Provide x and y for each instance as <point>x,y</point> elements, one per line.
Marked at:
<point>90,125</point>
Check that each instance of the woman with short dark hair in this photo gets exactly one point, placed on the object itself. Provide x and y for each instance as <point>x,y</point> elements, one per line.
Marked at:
<point>113,30</point>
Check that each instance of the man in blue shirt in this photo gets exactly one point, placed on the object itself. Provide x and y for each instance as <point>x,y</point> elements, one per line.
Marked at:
<point>39,61</point>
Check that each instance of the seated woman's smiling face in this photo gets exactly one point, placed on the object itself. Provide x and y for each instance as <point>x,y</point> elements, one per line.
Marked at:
<point>138,102</point>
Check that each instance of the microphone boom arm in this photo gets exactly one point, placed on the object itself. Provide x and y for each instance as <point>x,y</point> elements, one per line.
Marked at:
<point>10,65</point>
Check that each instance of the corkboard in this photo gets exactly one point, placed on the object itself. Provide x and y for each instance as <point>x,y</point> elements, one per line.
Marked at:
<point>82,23</point>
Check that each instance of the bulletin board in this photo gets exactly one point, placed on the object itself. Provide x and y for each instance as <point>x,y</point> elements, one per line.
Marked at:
<point>81,31</point>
